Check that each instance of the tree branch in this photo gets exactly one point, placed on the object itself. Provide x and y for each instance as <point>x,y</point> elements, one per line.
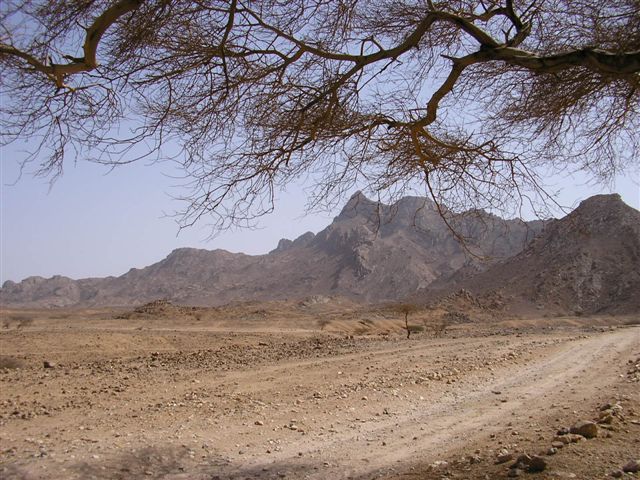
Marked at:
<point>56,71</point>
<point>600,61</point>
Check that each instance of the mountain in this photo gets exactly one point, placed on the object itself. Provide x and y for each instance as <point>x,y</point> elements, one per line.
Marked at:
<point>370,252</point>
<point>587,262</point>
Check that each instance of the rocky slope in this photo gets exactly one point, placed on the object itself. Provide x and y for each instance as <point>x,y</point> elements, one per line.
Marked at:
<point>370,252</point>
<point>587,262</point>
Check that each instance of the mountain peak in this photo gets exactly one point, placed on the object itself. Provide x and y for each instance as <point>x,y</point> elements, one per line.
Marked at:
<point>585,262</point>
<point>602,199</point>
<point>359,204</point>
<point>606,202</point>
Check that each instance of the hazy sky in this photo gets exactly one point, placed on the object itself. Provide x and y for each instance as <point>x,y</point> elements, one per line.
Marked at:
<point>96,224</point>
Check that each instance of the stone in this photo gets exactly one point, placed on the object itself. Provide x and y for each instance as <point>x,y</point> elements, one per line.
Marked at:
<point>522,462</point>
<point>606,419</point>
<point>632,466</point>
<point>616,474</point>
<point>557,445</point>
<point>503,457</point>
<point>570,438</point>
<point>537,464</point>
<point>575,438</point>
<point>531,464</point>
<point>514,472</point>
<point>610,406</point>
<point>585,428</point>
<point>48,364</point>
<point>552,451</point>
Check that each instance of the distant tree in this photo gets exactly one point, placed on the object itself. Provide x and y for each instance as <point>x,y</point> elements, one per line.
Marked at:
<point>468,99</point>
<point>407,309</point>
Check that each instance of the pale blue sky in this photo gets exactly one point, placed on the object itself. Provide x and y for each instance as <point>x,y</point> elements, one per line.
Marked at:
<point>96,224</point>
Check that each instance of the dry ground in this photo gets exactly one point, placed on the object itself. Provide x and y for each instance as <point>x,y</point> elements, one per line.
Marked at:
<point>280,391</point>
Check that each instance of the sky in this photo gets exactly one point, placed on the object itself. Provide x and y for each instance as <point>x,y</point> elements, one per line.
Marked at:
<point>92,223</point>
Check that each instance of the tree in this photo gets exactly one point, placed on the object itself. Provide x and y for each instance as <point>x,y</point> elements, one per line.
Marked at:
<point>467,100</point>
<point>407,309</point>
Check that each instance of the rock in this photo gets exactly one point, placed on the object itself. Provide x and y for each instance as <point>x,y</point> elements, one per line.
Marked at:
<point>537,464</point>
<point>503,457</point>
<point>557,445</point>
<point>564,439</point>
<point>552,451</point>
<point>607,406</point>
<point>606,419</point>
<point>585,428</point>
<point>531,464</point>
<point>514,472</point>
<point>48,364</point>
<point>616,474</point>
<point>632,466</point>
<point>563,431</point>
<point>259,422</point>
<point>522,462</point>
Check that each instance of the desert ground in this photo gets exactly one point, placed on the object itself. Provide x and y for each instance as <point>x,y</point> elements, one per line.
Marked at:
<point>312,391</point>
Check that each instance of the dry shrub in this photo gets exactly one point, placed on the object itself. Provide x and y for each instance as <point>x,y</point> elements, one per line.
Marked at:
<point>10,363</point>
<point>19,321</point>
<point>322,323</point>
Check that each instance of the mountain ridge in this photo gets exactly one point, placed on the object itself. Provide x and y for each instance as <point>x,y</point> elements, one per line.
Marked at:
<point>587,262</point>
<point>369,252</point>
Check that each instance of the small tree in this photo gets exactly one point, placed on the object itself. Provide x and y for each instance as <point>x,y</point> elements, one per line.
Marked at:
<point>407,309</point>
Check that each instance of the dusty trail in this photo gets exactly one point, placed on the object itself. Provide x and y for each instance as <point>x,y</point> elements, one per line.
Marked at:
<point>302,406</point>
<point>571,372</point>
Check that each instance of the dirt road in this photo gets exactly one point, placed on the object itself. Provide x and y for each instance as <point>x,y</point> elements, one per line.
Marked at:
<point>199,404</point>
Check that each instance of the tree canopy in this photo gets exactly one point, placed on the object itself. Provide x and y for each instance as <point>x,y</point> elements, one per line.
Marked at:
<point>468,100</point>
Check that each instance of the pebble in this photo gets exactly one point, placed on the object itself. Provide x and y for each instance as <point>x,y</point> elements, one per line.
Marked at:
<point>531,464</point>
<point>503,457</point>
<point>632,466</point>
<point>585,428</point>
<point>537,464</point>
<point>570,438</point>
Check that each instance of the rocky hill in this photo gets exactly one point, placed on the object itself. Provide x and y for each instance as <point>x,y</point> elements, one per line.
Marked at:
<point>370,252</point>
<point>587,262</point>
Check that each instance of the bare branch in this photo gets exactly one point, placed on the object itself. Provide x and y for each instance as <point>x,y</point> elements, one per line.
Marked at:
<point>94,33</point>
<point>465,101</point>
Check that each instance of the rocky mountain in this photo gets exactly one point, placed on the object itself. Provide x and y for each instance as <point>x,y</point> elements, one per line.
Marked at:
<point>370,252</point>
<point>587,262</point>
